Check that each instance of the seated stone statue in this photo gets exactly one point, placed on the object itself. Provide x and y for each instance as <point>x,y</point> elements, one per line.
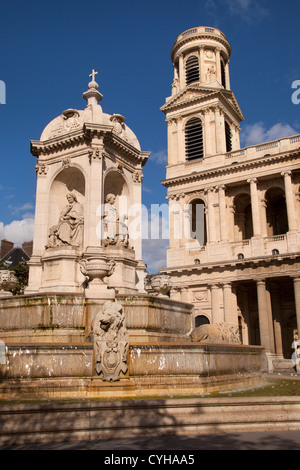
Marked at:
<point>68,231</point>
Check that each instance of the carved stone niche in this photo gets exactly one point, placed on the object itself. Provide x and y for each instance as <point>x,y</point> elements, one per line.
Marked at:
<point>111,341</point>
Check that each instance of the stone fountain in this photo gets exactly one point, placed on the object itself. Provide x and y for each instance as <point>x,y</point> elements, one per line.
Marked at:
<point>86,326</point>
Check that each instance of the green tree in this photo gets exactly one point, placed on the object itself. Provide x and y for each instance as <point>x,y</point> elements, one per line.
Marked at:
<point>21,272</point>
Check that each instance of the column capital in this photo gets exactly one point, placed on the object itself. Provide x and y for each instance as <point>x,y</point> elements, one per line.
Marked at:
<point>252,180</point>
<point>227,285</point>
<point>286,173</point>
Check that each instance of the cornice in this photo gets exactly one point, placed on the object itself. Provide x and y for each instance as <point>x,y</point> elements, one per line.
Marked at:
<point>230,168</point>
<point>85,136</point>
<point>198,35</point>
<point>233,265</point>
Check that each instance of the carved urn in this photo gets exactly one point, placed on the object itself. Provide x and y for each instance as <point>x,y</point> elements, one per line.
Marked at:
<point>7,281</point>
<point>161,284</point>
<point>97,268</point>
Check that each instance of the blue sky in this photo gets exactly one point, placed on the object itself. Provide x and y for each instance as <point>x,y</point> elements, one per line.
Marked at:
<point>48,49</point>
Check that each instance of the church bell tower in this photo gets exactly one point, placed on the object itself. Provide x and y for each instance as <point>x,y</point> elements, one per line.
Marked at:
<point>202,113</point>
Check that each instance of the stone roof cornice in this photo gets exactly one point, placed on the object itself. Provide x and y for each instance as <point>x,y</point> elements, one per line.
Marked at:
<point>232,265</point>
<point>231,168</point>
<point>84,136</point>
<point>199,34</point>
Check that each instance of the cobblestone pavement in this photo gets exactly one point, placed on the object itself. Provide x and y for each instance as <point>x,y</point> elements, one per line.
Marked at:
<point>272,440</point>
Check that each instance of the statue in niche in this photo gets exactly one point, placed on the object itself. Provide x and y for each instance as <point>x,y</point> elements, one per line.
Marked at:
<point>68,231</point>
<point>111,341</point>
<point>115,229</point>
<point>110,221</point>
<point>211,73</point>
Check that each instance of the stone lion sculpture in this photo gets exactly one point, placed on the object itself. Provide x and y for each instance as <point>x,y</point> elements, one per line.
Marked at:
<point>216,333</point>
<point>110,341</point>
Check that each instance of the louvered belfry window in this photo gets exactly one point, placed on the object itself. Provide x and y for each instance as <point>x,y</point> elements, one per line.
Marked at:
<point>192,70</point>
<point>228,137</point>
<point>223,76</point>
<point>194,139</point>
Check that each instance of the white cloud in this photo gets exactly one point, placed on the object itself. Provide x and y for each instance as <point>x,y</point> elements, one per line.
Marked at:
<point>247,9</point>
<point>155,236</point>
<point>155,254</point>
<point>253,134</point>
<point>25,207</point>
<point>160,157</point>
<point>18,231</point>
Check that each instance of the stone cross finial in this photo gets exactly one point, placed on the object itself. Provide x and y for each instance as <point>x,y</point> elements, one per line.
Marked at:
<point>93,74</point>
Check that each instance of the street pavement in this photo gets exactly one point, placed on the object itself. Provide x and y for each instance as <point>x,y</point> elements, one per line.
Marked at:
<point>270,440</point>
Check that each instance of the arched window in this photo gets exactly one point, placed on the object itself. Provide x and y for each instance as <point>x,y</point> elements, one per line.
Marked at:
<point>228,137</point>
<point>243,217</point>
<point>198,229</point>
<point>194,139</point>
<point>277,220</point>
<point>192,70</point>
<point>201,320</point>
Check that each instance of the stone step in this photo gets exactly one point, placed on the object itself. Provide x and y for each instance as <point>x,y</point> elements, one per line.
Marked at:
<point>82,420</point>
<point>283,366</point>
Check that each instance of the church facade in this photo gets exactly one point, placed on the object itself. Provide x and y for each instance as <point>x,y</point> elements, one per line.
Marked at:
<point>234,212</point>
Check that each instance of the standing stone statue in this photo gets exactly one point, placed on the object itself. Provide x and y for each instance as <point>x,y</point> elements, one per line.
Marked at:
<point>115,229</point>
<point>68,231</point>
<point>111,341</point>
<point>110,221</point>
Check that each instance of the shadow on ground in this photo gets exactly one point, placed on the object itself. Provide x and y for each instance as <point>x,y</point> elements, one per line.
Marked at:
<point>286,440</point>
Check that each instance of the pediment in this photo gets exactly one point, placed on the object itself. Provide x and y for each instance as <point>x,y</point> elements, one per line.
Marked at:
<point>187,95</point>
<point>202,94</point>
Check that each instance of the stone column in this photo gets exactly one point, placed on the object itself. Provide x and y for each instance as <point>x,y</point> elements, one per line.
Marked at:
<point>211,216</point>
<point>92,227</point>
<point>207,132</point>
<point>202,65</point>
<point>172,141</point>
<point>296,281</point>
<point>222,213</point>
<point>220,130</point>
<point>227,303</point>
<point>215,303</point>
<point>264,225</point>
<point>180,157</point>
<point>255,207</point>
<point>181,73</point>
<point>264,310</point>
<point>227,75</point>
<point>231,225</point>
<point>218,65</point>
<point>289,197</point>
<point>276,307</point>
